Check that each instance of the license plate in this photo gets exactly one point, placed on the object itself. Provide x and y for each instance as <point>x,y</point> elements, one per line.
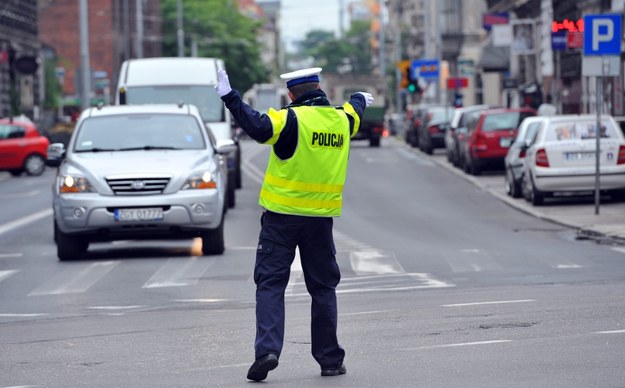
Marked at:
<point>505,142</point>
<point>140,214</point>
<point>579,155</point>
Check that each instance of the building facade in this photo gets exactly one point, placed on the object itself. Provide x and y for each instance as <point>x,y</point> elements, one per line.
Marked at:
<point>113,38</point>
<point>20,88</point>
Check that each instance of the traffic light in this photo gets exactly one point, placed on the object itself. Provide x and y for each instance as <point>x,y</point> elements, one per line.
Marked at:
<point>413,84</point>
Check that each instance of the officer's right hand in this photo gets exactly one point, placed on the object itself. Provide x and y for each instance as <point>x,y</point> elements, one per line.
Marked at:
<point>368,98</point>
<point>223,83</point>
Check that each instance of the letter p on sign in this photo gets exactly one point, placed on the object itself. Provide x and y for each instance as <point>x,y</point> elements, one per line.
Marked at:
<point>602,34</point>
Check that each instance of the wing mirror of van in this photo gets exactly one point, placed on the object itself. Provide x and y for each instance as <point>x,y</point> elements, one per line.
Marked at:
<point>225,146</point>
<point>56,154</point>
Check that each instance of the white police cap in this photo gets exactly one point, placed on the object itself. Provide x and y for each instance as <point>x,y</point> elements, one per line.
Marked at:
<point>301,76</point>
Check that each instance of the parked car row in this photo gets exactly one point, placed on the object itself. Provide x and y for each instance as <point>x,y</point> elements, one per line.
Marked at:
<point>542,155</point>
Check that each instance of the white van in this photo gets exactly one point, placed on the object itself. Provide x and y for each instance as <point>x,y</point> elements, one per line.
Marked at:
<point>187,80</point>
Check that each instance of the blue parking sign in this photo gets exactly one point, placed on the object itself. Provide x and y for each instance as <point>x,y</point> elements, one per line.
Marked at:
<point>603,34</point>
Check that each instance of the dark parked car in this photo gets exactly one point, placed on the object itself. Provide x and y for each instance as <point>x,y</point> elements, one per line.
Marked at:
<point>489,136</point>
<point>415,114</point>
<point>458,128</point>
<point>433,127</point>
<point>22,147</point>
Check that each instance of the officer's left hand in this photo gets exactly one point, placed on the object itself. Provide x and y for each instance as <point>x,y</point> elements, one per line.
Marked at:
<point>223,83</point>
<point>368,98</point>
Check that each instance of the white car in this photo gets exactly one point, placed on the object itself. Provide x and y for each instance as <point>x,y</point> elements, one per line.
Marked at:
<point>140,172</point>
<point>561,157</point>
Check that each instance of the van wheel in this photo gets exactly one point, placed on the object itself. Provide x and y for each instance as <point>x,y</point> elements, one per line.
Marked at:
<point>374,142</point>
<point>231,190</point>
<point>213,240</point>
<point>70,247</point>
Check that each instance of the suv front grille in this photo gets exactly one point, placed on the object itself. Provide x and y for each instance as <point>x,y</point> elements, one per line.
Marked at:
<point>138,186</point>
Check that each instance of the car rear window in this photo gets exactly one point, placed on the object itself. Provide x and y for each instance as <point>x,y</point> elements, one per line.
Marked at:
<point>499,121</point>
<point>580,130</point>
<point>139,131</point>
<point>441,114</point>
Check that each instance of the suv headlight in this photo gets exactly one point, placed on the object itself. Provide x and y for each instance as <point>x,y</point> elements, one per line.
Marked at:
<point>202,180</point>
<point>73,184</point>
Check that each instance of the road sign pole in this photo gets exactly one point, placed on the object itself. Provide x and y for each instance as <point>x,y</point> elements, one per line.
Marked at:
<point>598,88</point>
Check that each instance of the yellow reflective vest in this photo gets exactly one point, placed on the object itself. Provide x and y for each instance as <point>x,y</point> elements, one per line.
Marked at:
<point>310,183</point>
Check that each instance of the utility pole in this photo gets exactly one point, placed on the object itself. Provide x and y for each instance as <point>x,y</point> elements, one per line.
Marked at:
<point>139,37</point>
<point>398,56</point>
<point>85,84</point>
<point>180,31</point>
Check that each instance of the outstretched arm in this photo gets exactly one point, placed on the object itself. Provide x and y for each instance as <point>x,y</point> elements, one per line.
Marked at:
<point>258,126</point>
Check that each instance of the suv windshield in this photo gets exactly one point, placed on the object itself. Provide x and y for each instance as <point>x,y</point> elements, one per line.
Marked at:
<point>139,132</point>
<point>205,98</point>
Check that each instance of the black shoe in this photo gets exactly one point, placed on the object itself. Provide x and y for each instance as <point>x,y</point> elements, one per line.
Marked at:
<point>259,369</point>
<point>341,370</point>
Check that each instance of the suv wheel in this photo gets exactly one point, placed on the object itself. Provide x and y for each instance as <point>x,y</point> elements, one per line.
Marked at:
<point>70,247</point>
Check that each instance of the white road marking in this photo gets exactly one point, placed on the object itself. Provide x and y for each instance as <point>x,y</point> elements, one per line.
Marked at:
<point>610,332</point>
<point>179,273</point>
<point>75,280</point>
<point>619,249</point>
<point>200,300</point>
<point>487,303</point>
<point>296,273</point>
<point>21,315</point>
<point>7,273</point>
<point>461,344</point>
<point>568,266</point>
<point>10,255</point>
<point>9,226</point>
<point>114,307</point>
<point>374,262</point>
<point>366,313</point>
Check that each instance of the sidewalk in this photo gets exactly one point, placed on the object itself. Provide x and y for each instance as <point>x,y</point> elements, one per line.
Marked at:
<point>578,212</point>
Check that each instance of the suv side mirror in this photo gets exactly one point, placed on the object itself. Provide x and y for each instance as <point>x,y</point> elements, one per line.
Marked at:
<point>56,154</point>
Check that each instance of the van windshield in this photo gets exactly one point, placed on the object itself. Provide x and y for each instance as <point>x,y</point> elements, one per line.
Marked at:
<point>204,97</point>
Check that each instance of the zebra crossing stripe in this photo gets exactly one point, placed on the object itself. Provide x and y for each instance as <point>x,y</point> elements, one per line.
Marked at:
<point>76,279</point>
<point>7,273</point>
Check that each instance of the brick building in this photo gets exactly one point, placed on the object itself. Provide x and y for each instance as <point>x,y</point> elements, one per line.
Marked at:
<point>112,39</point>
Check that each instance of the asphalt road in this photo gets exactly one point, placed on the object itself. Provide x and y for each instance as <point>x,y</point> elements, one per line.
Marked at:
<point>443,285</point>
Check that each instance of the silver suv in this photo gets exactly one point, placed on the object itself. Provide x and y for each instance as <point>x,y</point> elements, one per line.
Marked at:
<point>140,172</point>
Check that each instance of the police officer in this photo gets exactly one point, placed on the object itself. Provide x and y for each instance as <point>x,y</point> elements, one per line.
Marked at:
<point>301,192</point>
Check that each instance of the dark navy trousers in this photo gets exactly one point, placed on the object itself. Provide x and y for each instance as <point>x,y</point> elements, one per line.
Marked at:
<point>279,236</point>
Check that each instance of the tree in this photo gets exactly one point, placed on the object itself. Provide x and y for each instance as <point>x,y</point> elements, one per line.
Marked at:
<point>221,31</point>
<point>350,54</point>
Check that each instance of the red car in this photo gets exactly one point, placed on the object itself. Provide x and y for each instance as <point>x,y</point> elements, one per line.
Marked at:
<point>489,136</point>
<point>22,147</point>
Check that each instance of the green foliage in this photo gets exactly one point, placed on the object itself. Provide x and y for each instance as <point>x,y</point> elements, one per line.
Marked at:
<point>53,89</point>
<point>221,31</point>
<point>350,54</point>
